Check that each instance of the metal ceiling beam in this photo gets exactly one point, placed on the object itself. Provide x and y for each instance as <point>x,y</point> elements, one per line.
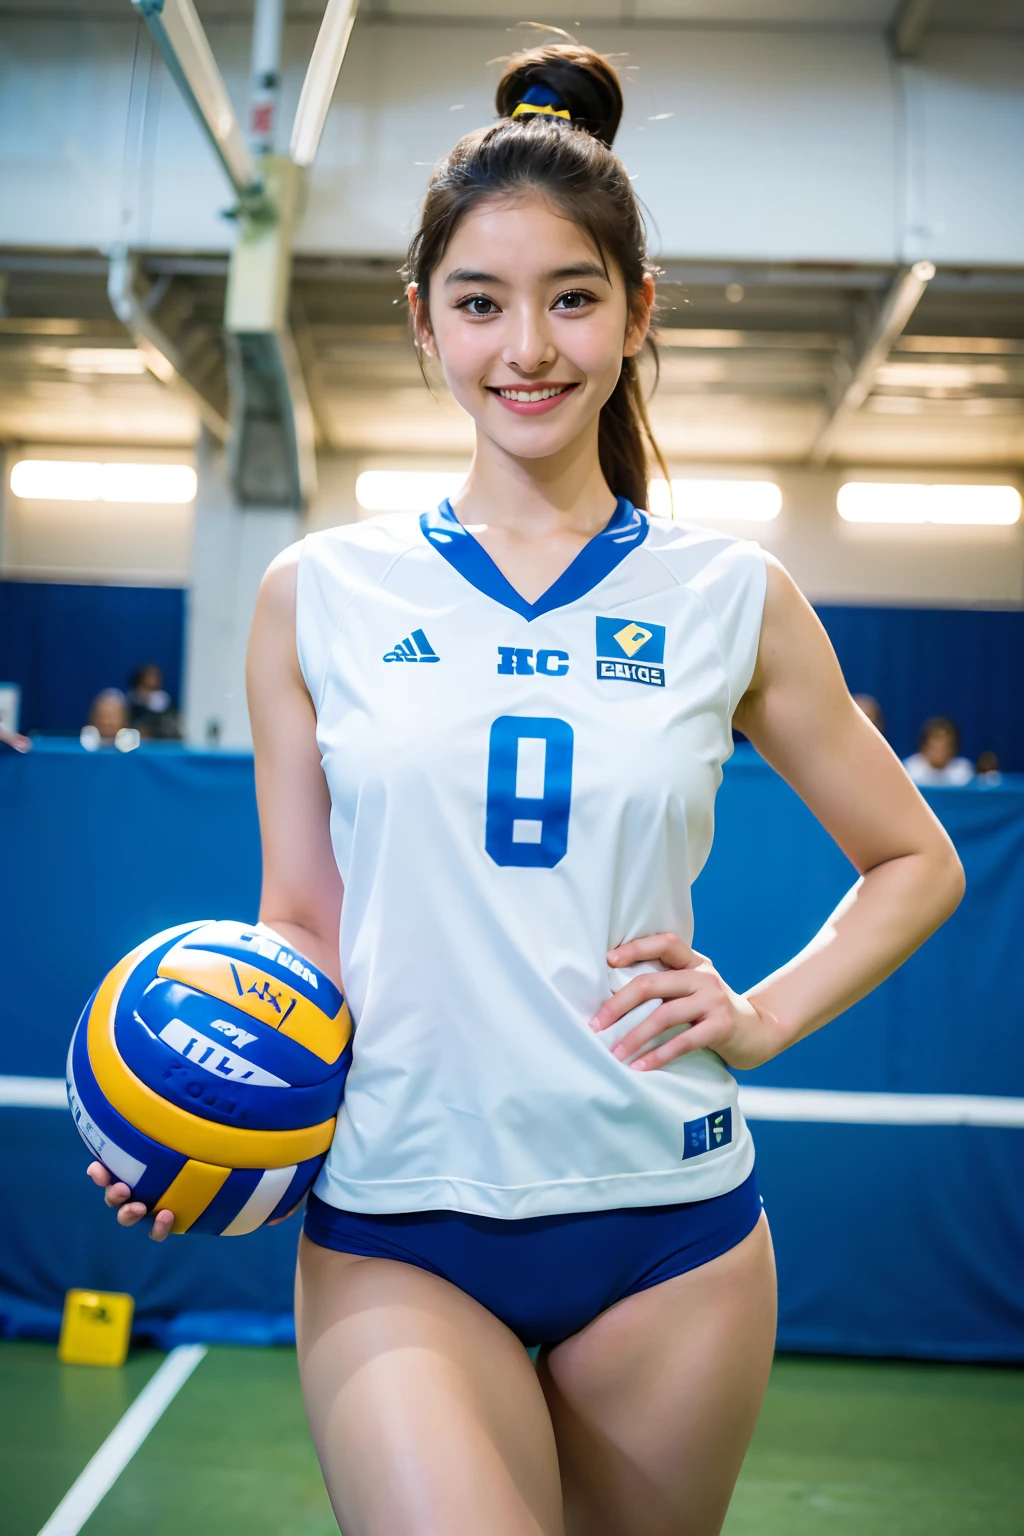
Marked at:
<point>902,299</point>
<point>908,26</point>
<point>178,34</point>
<point>161,356</point>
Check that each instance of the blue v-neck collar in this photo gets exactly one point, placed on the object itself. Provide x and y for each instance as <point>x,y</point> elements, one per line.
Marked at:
<point>625,532</point>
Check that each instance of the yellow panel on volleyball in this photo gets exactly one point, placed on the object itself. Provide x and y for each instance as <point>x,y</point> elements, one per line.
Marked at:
<point>261,995</point>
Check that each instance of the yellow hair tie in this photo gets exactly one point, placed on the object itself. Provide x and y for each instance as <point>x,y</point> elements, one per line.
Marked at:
<point>524,109</point>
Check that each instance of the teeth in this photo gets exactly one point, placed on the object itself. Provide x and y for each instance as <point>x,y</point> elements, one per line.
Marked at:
<point>531,396</point>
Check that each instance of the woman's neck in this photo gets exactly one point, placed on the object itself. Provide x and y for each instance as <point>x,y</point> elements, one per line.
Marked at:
<point>528,499</point>
<point>533,516</point>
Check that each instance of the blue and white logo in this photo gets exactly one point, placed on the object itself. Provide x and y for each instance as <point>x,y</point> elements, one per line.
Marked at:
<point>516,661</point>
<point>631,652</point>
<point>416,648</point>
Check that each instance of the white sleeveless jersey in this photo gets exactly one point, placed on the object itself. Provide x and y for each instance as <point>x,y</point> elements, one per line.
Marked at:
<point>515,788</point>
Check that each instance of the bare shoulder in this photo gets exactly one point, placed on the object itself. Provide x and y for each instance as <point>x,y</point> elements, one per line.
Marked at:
<point>278,588</point>
<point>272,649</point>
<point>782,595</point>
<point>793,641</point>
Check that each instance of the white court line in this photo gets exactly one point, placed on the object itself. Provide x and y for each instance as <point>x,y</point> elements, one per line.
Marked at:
<point>124,1439</point>
<point>828,1105</point>
<point>33,1093</point>
<point>825,1105</point>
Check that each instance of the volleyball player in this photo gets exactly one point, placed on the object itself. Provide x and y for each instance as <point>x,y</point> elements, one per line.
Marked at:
<point>500,727</point>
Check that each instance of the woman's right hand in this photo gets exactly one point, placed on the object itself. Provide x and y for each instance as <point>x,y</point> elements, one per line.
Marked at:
<point>129,1211</point>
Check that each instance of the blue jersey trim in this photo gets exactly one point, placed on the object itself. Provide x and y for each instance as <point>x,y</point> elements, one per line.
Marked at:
<point>626,531</point>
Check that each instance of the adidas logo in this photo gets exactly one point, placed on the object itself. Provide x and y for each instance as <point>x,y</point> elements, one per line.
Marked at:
<point>416,648</point>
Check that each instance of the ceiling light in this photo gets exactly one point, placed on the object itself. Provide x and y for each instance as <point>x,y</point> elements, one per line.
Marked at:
<point>940,375</point>
<point>122,360</point>
<point>712,501</point>
<point>865,501</point>
<point>406,490</point>
<point>72,480</point>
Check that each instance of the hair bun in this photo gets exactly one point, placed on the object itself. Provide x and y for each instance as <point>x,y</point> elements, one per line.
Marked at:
<point>569,76</point>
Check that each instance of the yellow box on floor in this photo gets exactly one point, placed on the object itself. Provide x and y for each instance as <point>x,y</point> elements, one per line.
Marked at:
<point>96,1328</point>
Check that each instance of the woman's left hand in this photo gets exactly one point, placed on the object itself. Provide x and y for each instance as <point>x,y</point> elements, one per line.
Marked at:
<point>692,993</point>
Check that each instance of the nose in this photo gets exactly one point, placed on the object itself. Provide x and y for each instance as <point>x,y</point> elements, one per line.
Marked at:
<point>529,347</point>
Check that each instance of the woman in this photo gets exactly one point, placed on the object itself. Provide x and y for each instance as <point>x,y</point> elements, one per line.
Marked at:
<point>502,726</point>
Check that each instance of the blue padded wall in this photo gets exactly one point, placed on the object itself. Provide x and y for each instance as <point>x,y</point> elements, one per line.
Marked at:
<point>890,1239</point>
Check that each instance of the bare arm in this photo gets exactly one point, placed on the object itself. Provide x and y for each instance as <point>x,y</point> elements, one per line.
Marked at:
<point>801,718</point>
<point>799,715</point>
<point>301,886</point>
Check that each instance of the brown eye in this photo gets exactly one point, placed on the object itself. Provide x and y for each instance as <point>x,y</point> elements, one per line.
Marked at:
<point>573,301</point>
<point>479,304</point>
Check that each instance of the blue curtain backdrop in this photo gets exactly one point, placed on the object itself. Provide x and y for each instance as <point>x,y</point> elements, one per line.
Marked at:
<point>63,643</point>
<point>890,1239</point>
<point>967,663</point>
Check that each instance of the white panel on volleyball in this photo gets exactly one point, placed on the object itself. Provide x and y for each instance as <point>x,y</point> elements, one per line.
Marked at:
<point>261,1202</point>
<point>121,1163</point>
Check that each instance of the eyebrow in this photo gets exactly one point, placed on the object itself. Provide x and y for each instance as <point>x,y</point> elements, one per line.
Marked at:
<point>560,274</point>
<point>582,269</point>
<point>464,275</point>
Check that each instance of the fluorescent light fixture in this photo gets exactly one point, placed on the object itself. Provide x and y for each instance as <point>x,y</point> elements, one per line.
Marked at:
<point>406,490</point>
<point>178,33</point>
<point>321,78</point>
<point>868,501</point>
<point>121,360</point>
<point>91,360</point>
<point>713,501</point>
<point>71,480</point>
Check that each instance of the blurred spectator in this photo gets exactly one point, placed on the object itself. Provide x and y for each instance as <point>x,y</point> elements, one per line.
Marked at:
<point>151,710</point>
<point>869,705</point>
<point>936,760</point>
<point>14,739</point>
<point>109,713</point>
<point>987,769</point>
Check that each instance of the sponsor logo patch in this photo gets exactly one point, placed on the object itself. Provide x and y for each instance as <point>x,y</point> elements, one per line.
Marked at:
<point>700,1136</point>
<point>629,651</point>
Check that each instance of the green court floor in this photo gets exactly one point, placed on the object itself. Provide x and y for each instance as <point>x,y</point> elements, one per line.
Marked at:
<point>843,1446</point>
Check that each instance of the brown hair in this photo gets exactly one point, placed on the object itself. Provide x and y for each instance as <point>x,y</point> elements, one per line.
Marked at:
<point>572,164</point>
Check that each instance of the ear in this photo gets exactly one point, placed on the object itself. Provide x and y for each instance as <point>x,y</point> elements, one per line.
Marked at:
<point>422,333</point>
<point>640,313</point>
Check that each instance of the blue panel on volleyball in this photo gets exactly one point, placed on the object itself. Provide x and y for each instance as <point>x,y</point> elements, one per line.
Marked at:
<point>238,1070</point>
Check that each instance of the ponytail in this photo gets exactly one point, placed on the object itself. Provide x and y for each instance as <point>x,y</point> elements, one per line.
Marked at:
<point>626,443</point>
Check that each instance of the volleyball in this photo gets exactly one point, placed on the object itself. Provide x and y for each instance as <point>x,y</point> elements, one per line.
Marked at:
<point>206,1072</point>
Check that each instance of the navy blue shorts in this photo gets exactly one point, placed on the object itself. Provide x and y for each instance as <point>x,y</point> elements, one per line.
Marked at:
<point>546,1277</point>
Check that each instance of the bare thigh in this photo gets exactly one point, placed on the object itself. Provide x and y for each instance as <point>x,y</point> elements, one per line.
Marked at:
<point>426,1411</point>
<point>654,1402</point>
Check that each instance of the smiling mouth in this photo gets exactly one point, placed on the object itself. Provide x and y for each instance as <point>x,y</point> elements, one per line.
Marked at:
<point>540,397</point>
<point>532,396</point>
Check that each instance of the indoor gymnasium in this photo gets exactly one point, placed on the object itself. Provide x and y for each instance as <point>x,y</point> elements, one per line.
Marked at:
<point>512,767</point>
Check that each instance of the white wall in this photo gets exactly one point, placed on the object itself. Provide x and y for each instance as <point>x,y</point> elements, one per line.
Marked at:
<point>116,543</point>
<point>792,145</point>
<point>832,561</point>
<point>837,562</point>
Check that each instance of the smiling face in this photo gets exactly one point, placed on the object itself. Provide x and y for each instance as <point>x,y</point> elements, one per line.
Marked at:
<point>530,325</point>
